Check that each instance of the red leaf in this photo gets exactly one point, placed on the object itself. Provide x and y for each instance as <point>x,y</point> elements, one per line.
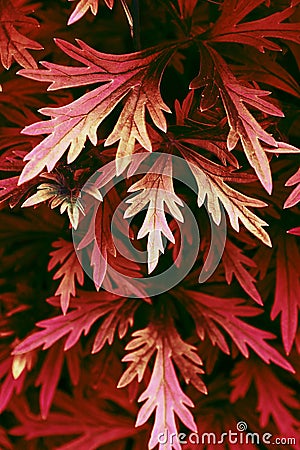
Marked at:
<point>79,416</point>
<point>215,418</point>
<point>274,397</point>
<point>12,160</point>
<point>7,187</point>
<point>210,313</point>
<point>254,33</point>
<point>70,271</point>
<point>13,44</point>
<point>234,260</point>
<point>50,373</point>
<point>186,8</point>
<point>266,70</point>
<point>97,234</point>
<point>49,376</point>
<point>11,194</point>
<point>5,444</point>
<point>9,383</point>
<point>286,300</point>
<point>295,231</point>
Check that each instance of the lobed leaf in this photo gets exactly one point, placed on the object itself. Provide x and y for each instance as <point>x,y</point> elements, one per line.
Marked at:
<point>234,261</point>
<point>254,33</point>
<point>274,398</point>
<point>157,190</point>
<point>87,310</point>
<point>70,271</point>
<point>163,395</point>
<point>134,78</point>
<point>83,6</point>
<point>294,197</point>
<point>210,313</point>
<point>218,79</point>
<point>286,299</point>
<point>13,43</point>
<point>213,189</point>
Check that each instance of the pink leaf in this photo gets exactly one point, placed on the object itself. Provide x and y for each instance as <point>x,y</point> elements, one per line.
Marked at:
<point>133,77</point>
<point>216,76</point>
<point>294,197</point>
<point>163,395</point>
<point>88,308</point>
<point>83,6</point>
